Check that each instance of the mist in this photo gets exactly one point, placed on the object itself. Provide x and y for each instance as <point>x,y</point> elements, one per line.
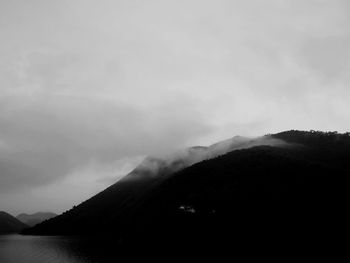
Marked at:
<point>89,89</point>
<point>168,164</point>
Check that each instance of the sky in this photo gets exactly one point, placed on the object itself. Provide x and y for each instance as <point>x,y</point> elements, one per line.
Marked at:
<point>90,87</point>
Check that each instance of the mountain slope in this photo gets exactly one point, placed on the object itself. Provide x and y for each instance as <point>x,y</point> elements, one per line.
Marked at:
<point>34,219</point>
<point>121,200</point>
<point>9,224</point>
<point>296,188</point>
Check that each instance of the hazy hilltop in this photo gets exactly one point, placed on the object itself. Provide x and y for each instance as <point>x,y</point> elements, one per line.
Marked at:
<point>36,218</point>
<point>295,184</point>
<point>9,224</point>
<point>130,194</point>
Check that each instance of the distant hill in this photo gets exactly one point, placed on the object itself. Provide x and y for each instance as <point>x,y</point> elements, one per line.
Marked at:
<point>33,219</point>
<point>296,185</point>
<point>9,224</point>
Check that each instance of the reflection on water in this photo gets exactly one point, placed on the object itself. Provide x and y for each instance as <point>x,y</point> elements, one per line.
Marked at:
<point>42,249</point>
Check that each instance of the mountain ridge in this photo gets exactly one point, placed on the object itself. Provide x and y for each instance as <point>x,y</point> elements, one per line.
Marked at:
<point>36,218</point>
<point>136,188</point>
<point>9,224</point>
<point>297,178</point>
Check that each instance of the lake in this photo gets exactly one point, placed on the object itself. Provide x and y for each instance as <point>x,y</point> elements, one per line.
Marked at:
<point>52,249</point>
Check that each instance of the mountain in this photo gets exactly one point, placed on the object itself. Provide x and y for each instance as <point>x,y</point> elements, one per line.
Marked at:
<point>33,219</point>
<point>132,192</point>
<point>9,224</point>
<point>242,191</point>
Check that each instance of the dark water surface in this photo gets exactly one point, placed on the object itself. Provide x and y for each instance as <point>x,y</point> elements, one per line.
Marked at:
<point>52,249</point>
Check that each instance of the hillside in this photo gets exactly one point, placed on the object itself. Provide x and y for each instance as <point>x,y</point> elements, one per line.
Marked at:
<point>296,188</point>
<point>36,218</point>
<point>9,224</point>
<point>121,200</point>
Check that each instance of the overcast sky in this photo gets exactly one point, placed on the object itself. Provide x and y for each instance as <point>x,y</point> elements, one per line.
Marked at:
<point>87,88</point>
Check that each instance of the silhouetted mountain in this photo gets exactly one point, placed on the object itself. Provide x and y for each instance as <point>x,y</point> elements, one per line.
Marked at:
<point>295,186</point>
<point>10,224</point>
<point>129,194</point>
<point>34,219</point>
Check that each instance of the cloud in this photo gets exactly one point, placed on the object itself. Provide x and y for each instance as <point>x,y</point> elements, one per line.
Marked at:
<point>45,138</point>
<point>83,82</point>
<point>328,57</point>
